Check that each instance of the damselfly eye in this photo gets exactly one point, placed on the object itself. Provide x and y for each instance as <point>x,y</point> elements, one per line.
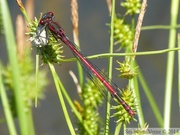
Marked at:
<point>50,14</point>
<point>41,22</point>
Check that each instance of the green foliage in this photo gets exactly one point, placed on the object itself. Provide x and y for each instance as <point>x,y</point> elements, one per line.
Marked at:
<point>122,33</point>
<point>28,82</point>
<point>120,113</point>
<point>52,52</point>
<point>132,6</point>
<point>142,130</point>
<point>91,95</point>
<point>126,71</point>
<point>1,26</point>
<point>92,99</point>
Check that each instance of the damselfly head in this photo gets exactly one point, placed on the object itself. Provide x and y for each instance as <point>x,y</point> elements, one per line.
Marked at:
<point>48,15</point>
<point>46,18</point>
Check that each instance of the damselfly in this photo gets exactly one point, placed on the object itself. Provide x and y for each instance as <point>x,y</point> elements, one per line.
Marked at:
<point>47,22</point>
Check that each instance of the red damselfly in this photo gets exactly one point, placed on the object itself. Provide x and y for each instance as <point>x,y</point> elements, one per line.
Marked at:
<point>47,22</point>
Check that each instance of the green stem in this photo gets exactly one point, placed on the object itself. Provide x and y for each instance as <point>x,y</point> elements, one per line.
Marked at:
<point>107,55</point>
<point>110,65</point>
<point>7,109</point>
<point>150,99</point>
<point>76,113</point>
<point>80,70</point>
<point>125,127</point>
<point>37,78</point>
<point>118,128</point>
<point>179,69</point>
<point>13,60</point>
<point>58,85</point>
<point>137,95</point>
<point>170,64</point>
<point>165,27</point>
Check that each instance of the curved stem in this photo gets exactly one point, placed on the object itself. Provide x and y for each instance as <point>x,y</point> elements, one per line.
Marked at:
<point>106,55</point>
